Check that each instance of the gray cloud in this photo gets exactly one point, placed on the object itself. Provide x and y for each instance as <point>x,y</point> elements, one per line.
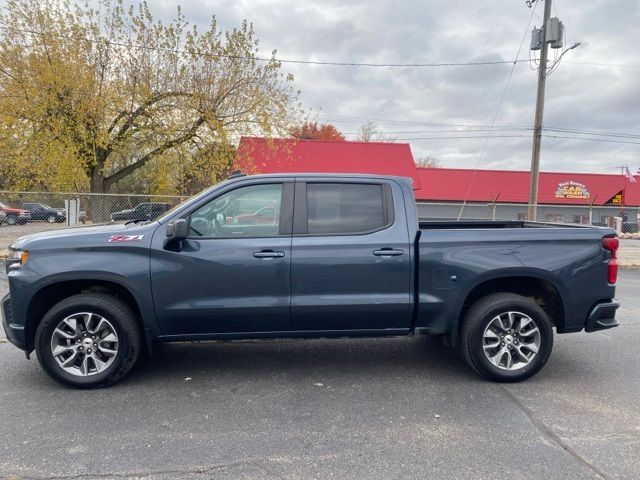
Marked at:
<point>578,96</point>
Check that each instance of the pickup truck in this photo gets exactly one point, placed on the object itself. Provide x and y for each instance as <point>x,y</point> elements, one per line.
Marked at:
<point>15,216</point>
<point>142,211</point>
<point>340,256</point>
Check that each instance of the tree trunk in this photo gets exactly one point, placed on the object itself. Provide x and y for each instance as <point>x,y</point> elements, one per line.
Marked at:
<point>98,206</point>
<point>97,181</point>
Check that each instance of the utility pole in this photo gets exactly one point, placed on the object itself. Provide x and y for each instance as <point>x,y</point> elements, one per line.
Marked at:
<point>537,130</point>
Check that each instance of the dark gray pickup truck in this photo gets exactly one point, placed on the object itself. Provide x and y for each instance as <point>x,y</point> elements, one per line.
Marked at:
<point>305,256</point>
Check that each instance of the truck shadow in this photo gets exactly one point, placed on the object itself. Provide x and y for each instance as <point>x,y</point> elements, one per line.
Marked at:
<point>247,360</point>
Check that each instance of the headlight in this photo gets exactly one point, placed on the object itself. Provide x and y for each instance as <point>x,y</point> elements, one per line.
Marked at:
<point>18,257</point>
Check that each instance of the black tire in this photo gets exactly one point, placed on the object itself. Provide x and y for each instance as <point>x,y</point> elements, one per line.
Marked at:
<point>478,318</point>
<point>12,220</point>
<point>119,315</point>
<point>51,219</point>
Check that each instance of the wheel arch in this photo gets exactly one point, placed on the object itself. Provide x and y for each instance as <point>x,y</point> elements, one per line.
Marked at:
<point>539,287</point>
<point>49,295</point>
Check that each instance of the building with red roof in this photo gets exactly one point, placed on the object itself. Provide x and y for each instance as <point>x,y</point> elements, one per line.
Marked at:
<point>485,193</point>
<point>288,155</point>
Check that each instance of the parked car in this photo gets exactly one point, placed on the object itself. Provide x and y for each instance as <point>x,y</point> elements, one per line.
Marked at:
<point>3,217</point>
<point>15,216</point>
<point>346,257</point>
<point>142,211</point>
<point>40,211</point>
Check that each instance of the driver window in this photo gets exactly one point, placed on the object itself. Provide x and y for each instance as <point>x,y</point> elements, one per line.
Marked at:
<point>251,211</point>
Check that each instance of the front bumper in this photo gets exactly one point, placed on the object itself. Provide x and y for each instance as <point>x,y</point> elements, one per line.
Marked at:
<point>602,316</point>
<point>14,332</point>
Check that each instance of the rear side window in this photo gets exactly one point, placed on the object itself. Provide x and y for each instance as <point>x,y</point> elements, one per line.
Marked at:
<point>345,208</point>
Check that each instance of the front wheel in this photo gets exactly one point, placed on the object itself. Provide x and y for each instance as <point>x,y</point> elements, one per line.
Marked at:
<point>506,337</point>
<point>51,219</point>
<point>88,340</point>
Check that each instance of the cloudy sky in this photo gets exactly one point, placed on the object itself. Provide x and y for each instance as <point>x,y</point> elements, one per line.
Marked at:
<point>415,103</point>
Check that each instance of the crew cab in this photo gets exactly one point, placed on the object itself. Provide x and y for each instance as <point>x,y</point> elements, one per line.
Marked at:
<point>324,256</point>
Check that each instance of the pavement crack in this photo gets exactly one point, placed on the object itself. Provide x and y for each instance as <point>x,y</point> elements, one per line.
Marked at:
<point>554,438</point>
<point>146,474</point>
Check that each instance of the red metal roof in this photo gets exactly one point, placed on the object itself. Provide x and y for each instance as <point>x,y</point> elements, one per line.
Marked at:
<point>443,184</point>
<point>286,155</point>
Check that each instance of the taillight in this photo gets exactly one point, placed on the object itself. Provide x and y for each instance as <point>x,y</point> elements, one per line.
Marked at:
<point>611,244</point>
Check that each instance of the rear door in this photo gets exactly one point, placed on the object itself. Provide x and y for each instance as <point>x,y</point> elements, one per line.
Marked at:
<point>351,256</point>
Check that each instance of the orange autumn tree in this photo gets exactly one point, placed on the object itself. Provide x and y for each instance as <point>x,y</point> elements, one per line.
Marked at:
<point>316,131</point>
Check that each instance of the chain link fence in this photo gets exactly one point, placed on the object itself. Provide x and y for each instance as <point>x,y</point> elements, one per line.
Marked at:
<point>22,213</point>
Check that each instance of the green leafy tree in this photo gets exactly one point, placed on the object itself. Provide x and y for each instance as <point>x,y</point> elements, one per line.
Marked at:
<point>89,96</point>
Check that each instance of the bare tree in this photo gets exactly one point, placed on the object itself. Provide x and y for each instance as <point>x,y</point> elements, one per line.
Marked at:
<point>370,132</point>
<point>428,162</point>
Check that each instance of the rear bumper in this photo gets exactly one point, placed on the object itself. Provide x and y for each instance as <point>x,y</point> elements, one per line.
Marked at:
<point>602,316</point>
<point>15,333</point>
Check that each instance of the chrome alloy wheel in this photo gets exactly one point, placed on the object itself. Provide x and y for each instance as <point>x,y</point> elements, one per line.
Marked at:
<point>84,344</point>
<point>511,340</point>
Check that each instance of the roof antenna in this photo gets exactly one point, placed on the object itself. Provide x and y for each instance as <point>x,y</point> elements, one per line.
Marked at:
<point>236,174</point>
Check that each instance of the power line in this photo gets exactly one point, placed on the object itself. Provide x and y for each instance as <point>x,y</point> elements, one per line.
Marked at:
<point>498,108</point>
<point>298,61</point>
<point>465,127</point>
<point>263,59</point>
<point>623,65</point>
<point>379,121</point>
<point>600,134</point>
<point>441,131</point>
<point>591,139</point>
<point>464,137</point>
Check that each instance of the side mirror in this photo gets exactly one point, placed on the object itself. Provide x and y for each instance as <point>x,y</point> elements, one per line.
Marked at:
<point>176,231</point>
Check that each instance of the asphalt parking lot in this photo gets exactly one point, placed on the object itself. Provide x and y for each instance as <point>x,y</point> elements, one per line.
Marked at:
<point>382,408</point>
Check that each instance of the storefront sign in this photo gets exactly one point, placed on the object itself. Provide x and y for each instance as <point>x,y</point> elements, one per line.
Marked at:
<point>617,198</point>
<point>572,190</point>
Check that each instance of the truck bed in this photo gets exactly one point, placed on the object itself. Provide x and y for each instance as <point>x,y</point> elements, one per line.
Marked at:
<point>455,256</point>
<point>463,224</point>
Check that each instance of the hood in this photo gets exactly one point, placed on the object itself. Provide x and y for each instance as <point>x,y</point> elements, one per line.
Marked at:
<point>98,234</point>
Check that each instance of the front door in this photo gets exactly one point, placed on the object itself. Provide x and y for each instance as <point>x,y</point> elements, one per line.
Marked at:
<point>233,272</point>
<point>352,258</point>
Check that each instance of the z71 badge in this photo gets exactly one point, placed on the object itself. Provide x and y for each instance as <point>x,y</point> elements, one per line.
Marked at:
<point>125,238</point>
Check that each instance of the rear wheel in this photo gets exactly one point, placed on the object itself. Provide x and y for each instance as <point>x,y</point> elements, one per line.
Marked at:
<point>12,219</point>
<point>506,337</point>
<point>88,340</point>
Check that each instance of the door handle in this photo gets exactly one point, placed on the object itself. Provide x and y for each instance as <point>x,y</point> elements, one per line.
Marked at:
<point>388,252</point>
<point>268,254</point>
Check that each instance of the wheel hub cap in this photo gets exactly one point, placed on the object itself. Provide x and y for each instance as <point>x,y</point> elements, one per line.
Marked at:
<point>84,344</point>
<point>511,340</point>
